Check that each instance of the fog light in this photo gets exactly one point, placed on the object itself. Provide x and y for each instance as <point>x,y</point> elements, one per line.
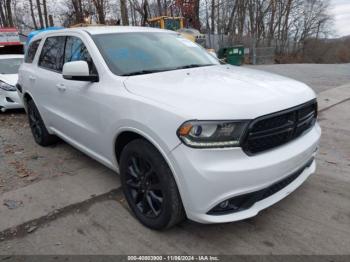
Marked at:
<point>234,204</point>
<point>224,204</point>
<point>9,100</point>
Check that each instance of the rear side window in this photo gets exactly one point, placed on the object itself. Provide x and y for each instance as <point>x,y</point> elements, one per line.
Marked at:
<point>51,56</point>
<point>33,47</point>
<point>77,51</point>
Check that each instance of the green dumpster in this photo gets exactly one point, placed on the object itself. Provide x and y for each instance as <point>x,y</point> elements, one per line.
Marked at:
<point>232,55</point>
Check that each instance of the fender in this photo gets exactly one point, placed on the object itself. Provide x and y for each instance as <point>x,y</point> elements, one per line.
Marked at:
<point>164,153</point>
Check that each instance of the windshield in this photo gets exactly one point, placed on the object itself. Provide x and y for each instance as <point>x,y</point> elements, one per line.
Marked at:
<point>10,65</point>
<point>142,53</point>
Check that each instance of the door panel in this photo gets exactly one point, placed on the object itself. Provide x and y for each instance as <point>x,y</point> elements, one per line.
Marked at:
<point>47,74</point>
<point>27,72</point>
<point>77,99</point>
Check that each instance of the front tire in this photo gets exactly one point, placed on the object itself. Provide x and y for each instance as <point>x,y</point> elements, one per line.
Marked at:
<point>39,131</point>
<point>149,186</point>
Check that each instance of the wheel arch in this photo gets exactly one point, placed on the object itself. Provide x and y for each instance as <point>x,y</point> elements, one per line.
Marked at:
<point>130,134</point>
<point>26,98</point>
<point>124,138</point>
<point>126,135</point>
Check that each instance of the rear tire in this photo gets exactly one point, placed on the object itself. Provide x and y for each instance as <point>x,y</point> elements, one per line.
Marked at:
<point>149,186</point>
<point>39,131</point>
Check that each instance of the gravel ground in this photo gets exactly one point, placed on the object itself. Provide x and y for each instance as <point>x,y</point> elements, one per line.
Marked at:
<point>23,162</point>
<point>319,76</point>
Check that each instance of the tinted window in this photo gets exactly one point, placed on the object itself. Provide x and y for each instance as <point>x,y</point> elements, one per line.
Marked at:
<point>128,53</point>
<point>51,56</point>
<point>33,47</point>
<point>77,51</point>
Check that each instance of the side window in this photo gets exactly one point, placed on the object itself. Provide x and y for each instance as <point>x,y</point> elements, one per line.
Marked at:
<point>51,56</point>
<point>30,54</point>
<point>77,51</point>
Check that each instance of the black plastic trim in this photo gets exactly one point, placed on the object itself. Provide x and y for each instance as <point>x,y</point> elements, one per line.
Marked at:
<point>294,125</point>
<point>19,88</point>
<point>248,200</point>
<point>89,78</point>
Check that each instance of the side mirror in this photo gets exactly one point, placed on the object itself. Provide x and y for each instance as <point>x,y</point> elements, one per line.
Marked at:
<point>78,71</point>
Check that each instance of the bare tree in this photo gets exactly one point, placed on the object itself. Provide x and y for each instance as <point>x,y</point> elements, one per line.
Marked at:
<point>285,25</point>
<point>142,9</point>
<point>51,23</point>
<point>45,13</point>
<point>41,20</point>
<point>78,9</point>
<point>2,15</point>
<point>133,13</point>
<point>160,8</point>
<point>6,13</point>
<point>212,17</point>
<point>9,13</point>
<point>124,12</point>
<point>32,14</point>
<point>100,9</point>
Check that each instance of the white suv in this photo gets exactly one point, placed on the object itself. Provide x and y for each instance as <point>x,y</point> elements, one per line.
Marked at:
<point>188,135</point>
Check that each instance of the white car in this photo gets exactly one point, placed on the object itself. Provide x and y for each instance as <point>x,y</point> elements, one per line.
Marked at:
<point>9,65</point>
<point>189,136</point>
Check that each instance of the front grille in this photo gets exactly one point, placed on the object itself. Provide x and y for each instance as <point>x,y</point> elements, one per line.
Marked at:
<point>243,202</point>
<point>276,129</point>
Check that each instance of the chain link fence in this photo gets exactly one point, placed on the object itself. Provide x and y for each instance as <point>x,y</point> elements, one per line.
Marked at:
<point>256,52</point>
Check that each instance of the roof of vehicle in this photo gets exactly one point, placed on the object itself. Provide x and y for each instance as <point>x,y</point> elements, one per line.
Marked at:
<point>36,32</point>
<point>96,30</point>
<point>11,56</point>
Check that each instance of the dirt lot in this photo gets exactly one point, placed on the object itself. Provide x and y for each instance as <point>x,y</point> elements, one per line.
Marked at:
<point>23,162</point>
<point>313,220</point>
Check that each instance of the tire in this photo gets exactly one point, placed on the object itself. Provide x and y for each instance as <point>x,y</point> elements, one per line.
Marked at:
<point>149,186</point>
<point>39,131</point>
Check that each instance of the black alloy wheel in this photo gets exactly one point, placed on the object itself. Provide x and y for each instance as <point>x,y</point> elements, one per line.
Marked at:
<point>144,186</point>
<point>34,123</point>
<point>149,186</point>
<point>37,126</point>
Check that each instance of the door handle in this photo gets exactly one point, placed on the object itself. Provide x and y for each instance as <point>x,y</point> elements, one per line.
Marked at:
<point>61,87</point>
<point>32,78</point>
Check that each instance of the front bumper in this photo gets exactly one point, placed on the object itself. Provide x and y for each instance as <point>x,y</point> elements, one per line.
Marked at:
<point>9,100</point>
<point>206,177</point>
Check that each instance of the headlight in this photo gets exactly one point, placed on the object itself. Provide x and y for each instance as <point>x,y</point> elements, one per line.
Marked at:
<point>7,87</point>
<point>211,134</point>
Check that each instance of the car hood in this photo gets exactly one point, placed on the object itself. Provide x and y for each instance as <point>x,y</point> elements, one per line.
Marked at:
<point>10,79</point>
<point>220,92</point>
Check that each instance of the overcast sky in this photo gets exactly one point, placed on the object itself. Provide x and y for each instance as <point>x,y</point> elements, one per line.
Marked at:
<point>341,12</point>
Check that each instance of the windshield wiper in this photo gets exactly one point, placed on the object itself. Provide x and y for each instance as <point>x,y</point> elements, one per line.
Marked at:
<point>151,71</point>
<point>193,66</point>
<point>143,72</point>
